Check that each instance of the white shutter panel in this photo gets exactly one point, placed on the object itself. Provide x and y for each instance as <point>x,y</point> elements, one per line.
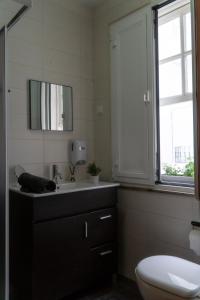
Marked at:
<point>132,108</point>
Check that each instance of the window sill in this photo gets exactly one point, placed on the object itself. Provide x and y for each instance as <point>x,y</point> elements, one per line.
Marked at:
<point>161,188</point>
<point>174,189</point>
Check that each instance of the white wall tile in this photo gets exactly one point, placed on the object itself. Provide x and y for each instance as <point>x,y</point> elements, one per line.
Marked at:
<point>61,62</point>
<point>86,68</point>
<point>86,128</point>
<point>91,151</point>
<point>74,5</point>
<point>18,102</point>
<point>158,203</point>
<point>85,110</point>
<point>57,37</point>
<point>171,230</point>
<point>55,151</point>
<point>19,128</point>
<point>48,44</point>
<point>87,89</point>
<point>29,30</point>
<point>25,53</point>
<point>58,15</point>
<point>24,151</point>
<point>87,38</point>
<point>159,221</point>
<point>19,74</point>
<point>37,11</point>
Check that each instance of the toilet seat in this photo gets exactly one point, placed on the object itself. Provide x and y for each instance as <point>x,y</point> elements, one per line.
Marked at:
<point>171,274</point>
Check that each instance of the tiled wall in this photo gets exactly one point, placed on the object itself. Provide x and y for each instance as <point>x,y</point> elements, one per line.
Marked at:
<point>154,223</point>
<point>52,42</point>
<point>150,223</point>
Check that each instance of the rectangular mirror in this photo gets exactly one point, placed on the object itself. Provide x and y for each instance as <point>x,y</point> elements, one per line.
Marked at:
<point>51,106</point>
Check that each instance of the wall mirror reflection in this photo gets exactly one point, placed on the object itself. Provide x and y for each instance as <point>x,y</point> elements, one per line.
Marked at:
<point>51,106</point>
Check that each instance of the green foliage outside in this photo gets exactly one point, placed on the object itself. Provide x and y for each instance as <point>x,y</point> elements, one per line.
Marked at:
<point>188,170</point>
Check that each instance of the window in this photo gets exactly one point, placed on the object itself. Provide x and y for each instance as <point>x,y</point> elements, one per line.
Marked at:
<point>139,156</point>
<point>175,143</point>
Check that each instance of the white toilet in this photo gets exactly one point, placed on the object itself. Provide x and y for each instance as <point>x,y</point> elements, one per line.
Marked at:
<point>168,278</point>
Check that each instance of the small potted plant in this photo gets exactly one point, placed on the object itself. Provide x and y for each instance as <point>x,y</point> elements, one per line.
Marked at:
<point>94,172</point>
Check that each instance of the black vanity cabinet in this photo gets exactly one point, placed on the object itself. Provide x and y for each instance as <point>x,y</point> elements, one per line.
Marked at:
<point>61,244</point>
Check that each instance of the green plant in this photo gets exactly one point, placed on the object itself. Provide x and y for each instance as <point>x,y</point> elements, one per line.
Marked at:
<point>173,171</point>
<point>189,169</point>
<point>176,171</point>
<point>93,170</point>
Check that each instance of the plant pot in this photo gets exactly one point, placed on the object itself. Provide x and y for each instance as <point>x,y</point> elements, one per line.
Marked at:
<point>94,179</point>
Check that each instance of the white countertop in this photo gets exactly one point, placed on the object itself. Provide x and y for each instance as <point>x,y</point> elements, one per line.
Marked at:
<point>70,188</point>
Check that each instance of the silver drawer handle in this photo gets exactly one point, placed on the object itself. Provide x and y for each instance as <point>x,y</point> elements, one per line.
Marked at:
<point>106,217</point>
<point>105,253</point>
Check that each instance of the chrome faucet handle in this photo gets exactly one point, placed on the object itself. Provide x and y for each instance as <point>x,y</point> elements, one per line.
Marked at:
<point>57,178</point>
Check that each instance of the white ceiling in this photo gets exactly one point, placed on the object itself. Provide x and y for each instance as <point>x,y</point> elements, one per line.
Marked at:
<point>91,3</point>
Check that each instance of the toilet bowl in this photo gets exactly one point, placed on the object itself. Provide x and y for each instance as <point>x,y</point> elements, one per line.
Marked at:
<point>165,277</point>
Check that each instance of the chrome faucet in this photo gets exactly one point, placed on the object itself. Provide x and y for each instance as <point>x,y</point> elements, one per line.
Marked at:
<point>56,174</point>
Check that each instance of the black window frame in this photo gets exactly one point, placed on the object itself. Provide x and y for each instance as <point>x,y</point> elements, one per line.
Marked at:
<point>182,181</point>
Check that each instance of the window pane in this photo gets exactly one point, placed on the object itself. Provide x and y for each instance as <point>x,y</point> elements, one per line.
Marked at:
<point>188,37</point>
<point>169,39</point>
<point>170,79</point>
<point>188,73</point>
<point>175,86</point>
<point>176,139</point>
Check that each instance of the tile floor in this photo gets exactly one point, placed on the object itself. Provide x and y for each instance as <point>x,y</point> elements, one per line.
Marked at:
<point>123,289</point>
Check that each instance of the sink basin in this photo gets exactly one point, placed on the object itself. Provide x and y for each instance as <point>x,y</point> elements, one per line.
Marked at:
<point>65,186</point>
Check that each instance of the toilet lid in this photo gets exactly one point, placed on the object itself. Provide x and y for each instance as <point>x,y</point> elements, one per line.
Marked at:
<point>172,274</point>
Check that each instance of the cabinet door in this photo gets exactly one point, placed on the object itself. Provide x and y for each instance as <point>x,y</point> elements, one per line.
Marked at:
<point>132,110</point>
<point>61,258</point>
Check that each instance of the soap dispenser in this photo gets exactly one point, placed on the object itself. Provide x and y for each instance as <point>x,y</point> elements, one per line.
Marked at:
<point>78,156</point>
<point>78,152</point>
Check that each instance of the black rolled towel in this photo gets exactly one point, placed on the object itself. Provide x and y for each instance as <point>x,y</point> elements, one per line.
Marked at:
<point>34,184</point>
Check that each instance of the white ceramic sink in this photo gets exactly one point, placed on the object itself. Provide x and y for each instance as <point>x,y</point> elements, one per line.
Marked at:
<point>69,187</point>
<point>66,186</point>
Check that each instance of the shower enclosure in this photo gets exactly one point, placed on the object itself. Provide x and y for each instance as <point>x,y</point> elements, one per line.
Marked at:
<point>18,8</point>
<point>3,166</point>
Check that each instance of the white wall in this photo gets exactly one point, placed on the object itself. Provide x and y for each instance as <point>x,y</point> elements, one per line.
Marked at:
<point>52,42</point>
<point>150,223</point>
<point>154,223</point>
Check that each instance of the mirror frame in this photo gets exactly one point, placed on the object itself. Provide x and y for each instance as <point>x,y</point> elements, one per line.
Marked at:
<point>29,107</point>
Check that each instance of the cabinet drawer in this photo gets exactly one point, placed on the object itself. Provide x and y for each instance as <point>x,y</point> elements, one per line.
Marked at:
<point>70,204</point>
<point>104,262</point>
<point>101,226</point>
